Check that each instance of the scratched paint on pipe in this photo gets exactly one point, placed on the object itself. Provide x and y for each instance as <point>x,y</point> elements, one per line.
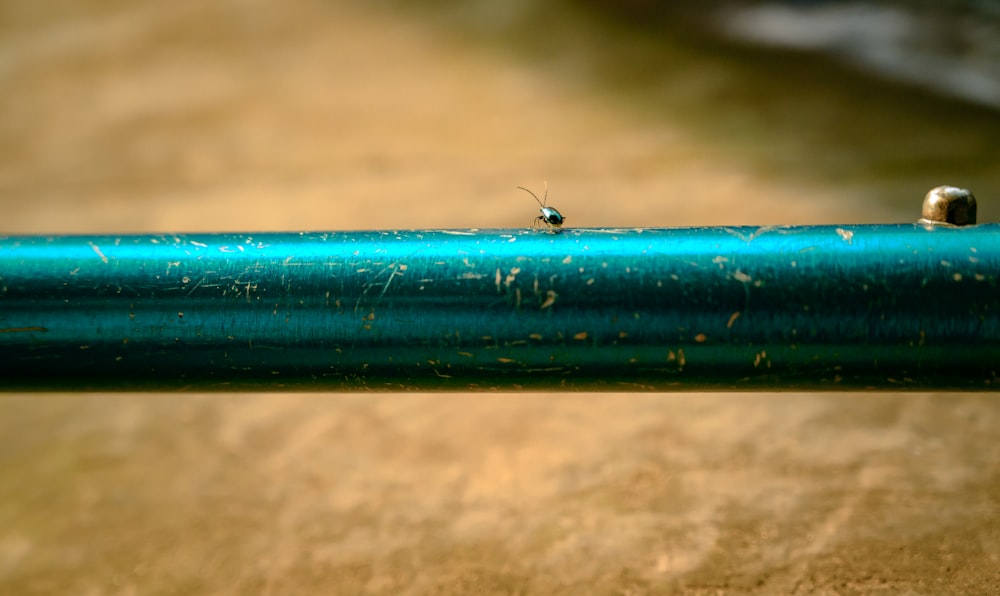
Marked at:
<point>903,306</point>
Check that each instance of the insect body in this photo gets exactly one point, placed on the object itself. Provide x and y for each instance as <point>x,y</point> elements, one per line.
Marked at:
<point>550,215</point>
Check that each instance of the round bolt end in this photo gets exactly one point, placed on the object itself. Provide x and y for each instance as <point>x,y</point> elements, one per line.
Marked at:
<point>949,205</point>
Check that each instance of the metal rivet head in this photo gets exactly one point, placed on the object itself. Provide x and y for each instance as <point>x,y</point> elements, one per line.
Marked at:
<point>949,205</point>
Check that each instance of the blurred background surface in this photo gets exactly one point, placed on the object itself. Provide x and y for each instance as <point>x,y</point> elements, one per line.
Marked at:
<point>123,117</point>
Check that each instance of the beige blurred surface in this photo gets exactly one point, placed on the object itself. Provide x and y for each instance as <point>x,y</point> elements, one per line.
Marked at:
<point>186,116</point>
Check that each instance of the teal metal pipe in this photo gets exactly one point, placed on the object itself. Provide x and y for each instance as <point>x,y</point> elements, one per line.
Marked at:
<point>883,307</point>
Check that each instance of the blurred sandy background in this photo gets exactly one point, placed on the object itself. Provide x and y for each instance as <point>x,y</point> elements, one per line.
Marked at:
<point>263,115</point>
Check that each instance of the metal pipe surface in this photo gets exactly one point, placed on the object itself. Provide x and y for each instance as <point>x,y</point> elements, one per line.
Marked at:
<point>884,307</point>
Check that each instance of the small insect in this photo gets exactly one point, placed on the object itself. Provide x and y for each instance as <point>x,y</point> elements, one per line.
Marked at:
<point>550,215</point>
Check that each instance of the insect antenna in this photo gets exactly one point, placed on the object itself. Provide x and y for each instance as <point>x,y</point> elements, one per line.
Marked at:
<point>541,203</point>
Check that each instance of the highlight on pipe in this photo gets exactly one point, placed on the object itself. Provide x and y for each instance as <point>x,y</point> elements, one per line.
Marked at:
<point>550,215</point>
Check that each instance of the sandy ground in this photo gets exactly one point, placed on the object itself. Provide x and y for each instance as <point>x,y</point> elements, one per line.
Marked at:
<point>259,115</point>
